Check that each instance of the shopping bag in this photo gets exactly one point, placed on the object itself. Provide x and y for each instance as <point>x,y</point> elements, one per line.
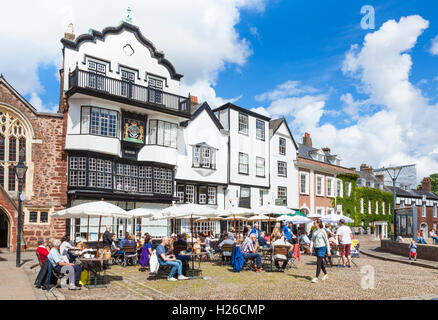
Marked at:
<point>85,278</point>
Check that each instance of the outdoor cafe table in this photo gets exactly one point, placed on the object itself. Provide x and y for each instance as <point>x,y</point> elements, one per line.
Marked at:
<point>94,266</point>
<point>195,255</point>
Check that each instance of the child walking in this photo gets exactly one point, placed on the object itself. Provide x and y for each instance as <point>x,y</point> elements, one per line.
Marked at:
<point>413,249</point>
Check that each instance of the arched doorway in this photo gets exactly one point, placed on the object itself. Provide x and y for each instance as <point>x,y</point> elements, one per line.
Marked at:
<point>4,230</point>
<point>424,229</point>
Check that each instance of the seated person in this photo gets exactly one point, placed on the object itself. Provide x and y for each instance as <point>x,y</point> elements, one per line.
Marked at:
<point>262,241</point>
<point>279,240</point>
<point>249,251</point>
<point>57,262</point>
<point>231,234</point>
<point>42,250</point>
<point>304,241</point>
<point>169,260</point>
<point>181,242</point>
<point>124,240</point>
<point>420,237</point>
<point>226,256</point>
<point>146,251</point>
<point>66,245</point>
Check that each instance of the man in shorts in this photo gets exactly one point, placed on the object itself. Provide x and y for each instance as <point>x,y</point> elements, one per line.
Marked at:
<point>345,238</point>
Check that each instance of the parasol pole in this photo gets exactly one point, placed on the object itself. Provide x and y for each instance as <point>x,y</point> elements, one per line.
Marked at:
<point>88,228</point>
<point>98,237</point>
<point>193,261</point>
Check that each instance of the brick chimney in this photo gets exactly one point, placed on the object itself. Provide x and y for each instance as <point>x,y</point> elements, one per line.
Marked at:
<point>194,99</point>
<point>307,141</point>
<point>70,35</point>
<point>365,168</point>
<point>426,185</point>
<point>381,177</point>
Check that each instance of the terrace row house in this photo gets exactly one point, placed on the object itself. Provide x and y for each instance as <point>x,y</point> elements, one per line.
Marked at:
<point>426,203</point>
<point>318,183</point>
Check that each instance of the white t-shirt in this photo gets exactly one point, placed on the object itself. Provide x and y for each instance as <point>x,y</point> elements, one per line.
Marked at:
<point>345,233</point>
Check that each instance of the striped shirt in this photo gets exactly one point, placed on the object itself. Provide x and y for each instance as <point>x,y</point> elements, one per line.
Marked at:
<point>247,246</point>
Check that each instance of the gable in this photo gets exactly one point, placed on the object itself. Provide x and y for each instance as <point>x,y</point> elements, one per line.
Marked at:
<point>141,45</point>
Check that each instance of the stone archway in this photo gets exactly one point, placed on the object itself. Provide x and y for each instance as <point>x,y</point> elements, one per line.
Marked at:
<point>5,230</point>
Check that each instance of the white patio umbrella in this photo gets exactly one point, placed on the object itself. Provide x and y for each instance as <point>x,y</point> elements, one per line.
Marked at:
<point>314,215</point>
<point>269,209</point>
<point>93,209</point>
<point>189,210</point>
<point>295,219</point>
<point>334,218</point>
<point>236,214</point>
<point>148,211</point>
<point>259,218</point>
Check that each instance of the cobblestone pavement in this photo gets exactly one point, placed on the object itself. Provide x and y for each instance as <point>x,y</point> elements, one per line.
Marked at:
<point>392,281</point>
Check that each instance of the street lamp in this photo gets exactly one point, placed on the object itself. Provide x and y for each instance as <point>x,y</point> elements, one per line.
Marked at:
<point>394,172</point>
<point>20,171</point>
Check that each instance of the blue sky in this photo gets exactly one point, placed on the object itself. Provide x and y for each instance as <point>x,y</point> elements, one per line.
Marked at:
<point>376,103</point>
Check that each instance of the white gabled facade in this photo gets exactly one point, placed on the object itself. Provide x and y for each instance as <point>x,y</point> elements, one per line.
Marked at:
<point>248,167</point>
<point>202,161</point>
<point>132,140</point>
<point>283,172</point>
<point>123,116</point>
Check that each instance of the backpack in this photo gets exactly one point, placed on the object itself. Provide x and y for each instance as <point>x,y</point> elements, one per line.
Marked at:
<point>153,262</point>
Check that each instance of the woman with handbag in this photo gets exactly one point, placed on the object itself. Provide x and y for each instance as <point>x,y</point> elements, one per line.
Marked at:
<point>321,245</point>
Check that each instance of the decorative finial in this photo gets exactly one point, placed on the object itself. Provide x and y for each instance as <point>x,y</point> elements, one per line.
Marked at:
<point>128,18</point>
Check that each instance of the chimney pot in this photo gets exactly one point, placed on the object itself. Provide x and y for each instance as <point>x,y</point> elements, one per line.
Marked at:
<point>426,185</point>
<point>70,35</point>
<point>307,141</point>
<point>194,99</point>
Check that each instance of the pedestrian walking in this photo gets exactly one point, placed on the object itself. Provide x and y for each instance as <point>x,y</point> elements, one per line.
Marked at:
<point>321,245</point>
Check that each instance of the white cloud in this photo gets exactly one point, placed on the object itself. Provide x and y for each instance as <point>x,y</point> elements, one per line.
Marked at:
<point>434,47</point>
<point>402,131</point>
<point>289,88</point>
<point>262,111</point>
<point>199,37</point>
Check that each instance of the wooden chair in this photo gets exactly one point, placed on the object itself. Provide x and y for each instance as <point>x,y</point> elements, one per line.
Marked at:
<point>129,252</point>
<point>227,248</point>
<point>283,250</point>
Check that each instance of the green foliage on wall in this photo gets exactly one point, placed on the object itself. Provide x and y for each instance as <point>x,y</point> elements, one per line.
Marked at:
<point>351,204</point>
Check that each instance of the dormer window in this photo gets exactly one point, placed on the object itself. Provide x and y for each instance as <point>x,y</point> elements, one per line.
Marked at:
<point>204,156</point>
<point>155,90</point>
<point>97,74</point>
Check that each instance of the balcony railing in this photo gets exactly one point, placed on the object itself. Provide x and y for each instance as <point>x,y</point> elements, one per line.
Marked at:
<point>128,90</point>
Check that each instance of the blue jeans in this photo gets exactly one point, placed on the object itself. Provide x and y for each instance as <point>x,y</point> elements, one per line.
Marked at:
<point>176,265</point>
<point>421,240</point>
<point>252,256</point>
<point>435,240</point>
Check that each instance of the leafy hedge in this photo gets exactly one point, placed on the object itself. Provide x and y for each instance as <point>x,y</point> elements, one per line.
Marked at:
<point>351,204</point>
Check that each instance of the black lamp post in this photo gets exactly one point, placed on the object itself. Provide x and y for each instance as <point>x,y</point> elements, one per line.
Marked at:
<point>20,171</point>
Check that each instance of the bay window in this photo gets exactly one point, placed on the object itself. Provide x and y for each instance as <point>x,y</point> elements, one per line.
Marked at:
<point>163,133</point>
<point>98,121</point>
<point>204,157</point>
